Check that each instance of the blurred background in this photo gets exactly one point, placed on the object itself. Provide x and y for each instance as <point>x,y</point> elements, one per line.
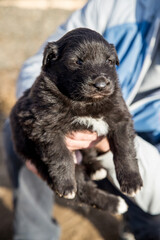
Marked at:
<point>24,26</point>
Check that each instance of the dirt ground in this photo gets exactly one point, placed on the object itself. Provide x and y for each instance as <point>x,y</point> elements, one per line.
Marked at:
<point>22,32</point>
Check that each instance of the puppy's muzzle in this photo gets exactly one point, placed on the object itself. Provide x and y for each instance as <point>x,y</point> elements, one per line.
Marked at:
<point>101,83</point>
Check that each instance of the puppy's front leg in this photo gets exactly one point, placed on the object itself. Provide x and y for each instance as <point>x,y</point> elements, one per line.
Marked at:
<point>122,145</point>
<point>61,167</point>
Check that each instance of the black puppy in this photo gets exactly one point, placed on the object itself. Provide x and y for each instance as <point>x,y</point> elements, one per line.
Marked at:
<point>77,90</point>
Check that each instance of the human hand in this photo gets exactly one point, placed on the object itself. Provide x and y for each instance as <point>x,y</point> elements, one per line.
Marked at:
<point>86,139</point>
<point>76,141</point>
<point>32,168</point>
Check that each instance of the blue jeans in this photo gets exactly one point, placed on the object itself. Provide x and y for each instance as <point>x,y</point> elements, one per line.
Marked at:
<point>33,204</point>
<point>33,200</point>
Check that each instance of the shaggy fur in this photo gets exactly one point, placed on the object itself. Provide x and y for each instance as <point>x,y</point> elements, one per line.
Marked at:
<point>78,80</point>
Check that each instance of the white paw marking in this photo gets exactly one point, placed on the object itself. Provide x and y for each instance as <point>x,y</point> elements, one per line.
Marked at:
<point>98,124</point>
<point>133,194</point>
<point>70,195</point>
<point>60,195</point>
<point>128,236</point>
<point>99,174</point>
<point>122,206</point>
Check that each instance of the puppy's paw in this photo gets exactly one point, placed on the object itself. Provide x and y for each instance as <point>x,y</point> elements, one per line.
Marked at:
<point>70,195</point>
<point>99,174</point>
<point>67,190</point>
<point>122,206</point>
<point>131,184</point>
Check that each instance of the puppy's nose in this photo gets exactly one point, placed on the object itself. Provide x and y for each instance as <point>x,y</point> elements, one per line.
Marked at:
<point>101,82</point>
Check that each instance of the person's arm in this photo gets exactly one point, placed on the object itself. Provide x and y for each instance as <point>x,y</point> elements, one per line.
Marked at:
<point>93,15</point>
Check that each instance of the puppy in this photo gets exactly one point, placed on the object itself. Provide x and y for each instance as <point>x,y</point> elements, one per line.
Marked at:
<point>77,90</point>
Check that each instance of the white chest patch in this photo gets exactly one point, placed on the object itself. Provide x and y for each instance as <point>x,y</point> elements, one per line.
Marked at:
<point>97,124</point>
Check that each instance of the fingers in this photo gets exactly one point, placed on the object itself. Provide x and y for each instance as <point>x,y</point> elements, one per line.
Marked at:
<point>80,141</point>
<point>86,139</point>
<point>103,145</point>
<point>32,168</point>
<point>83,136</point>
<point>77,144</point>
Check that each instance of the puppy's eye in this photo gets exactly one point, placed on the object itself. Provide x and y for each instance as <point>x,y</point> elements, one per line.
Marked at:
<point>79,61</point>
<point>109,61</point>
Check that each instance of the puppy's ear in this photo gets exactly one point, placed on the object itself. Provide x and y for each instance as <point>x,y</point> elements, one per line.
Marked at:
<point>114,52</point>
<point>50,53</point>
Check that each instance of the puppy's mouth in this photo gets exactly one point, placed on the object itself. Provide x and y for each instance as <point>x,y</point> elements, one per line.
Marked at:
<point>98,88</point>
<point>89,92</point>
<point>97,95</point>
<point>93,93</point>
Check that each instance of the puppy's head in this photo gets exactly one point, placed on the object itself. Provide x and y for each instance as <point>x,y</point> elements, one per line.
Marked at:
<point>82,65</point>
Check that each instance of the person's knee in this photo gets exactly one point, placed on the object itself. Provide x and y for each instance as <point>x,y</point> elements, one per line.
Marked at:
<point>13,162</point>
